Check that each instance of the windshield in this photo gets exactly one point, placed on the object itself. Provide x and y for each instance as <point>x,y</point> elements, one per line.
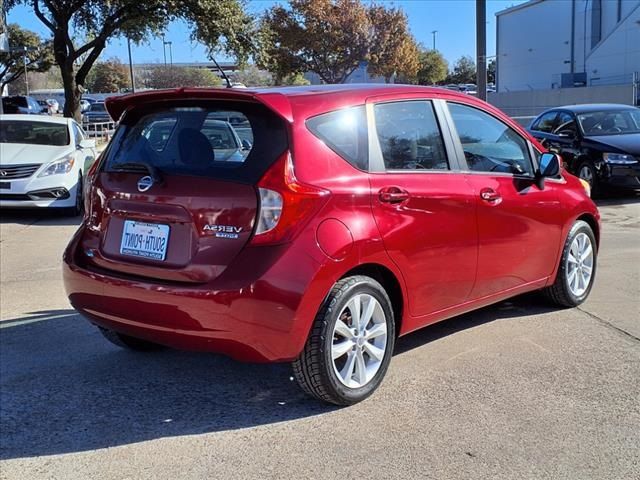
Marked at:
<point>98,107</point>
<point>610,122</point>
<point>34,133</point>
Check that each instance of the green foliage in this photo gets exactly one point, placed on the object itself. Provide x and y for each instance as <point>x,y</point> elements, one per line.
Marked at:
<point>108,77</point>
<point>433,68</point>
<point>295,80</point>
<point>174,77</point>
<point>332,37</point>
<point>464,71</point>
<point>39,55</point>
<point>214,22</point>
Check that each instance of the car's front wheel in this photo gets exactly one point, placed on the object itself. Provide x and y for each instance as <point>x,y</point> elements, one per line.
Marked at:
<point>577,269</point>
<point>587,172</point>
<point>350,345</point>
<point>78,206</point>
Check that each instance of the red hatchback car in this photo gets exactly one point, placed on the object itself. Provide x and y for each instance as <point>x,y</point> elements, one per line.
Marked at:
<point>317,224</point>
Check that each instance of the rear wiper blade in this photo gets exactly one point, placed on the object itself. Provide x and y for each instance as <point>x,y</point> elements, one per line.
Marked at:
<point>154,171</point>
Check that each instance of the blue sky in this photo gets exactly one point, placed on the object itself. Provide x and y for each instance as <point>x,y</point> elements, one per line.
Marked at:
<point>453,19</point>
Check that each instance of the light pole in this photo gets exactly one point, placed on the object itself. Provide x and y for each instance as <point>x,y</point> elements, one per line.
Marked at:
<point>133,82</point>
<point>434,38</point>
<point>24,60</point>
<point>481,49</point>
<point>164,51</point>
<point>170,53</point>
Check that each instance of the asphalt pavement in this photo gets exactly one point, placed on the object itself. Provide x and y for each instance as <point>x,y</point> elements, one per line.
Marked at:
<point>518,390</point>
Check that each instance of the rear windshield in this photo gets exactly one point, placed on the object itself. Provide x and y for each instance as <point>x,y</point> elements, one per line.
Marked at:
<point>33,133</point>
<point>237,141</point>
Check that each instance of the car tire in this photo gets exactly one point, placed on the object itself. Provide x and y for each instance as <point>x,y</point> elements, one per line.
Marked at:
<point>587,172</point>
<point>78,206</point>
<point>322,370</point>
<point>579,255</point>
<point>129,343</point>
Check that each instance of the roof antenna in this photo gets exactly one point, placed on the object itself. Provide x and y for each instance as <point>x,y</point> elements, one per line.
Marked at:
<point>224,75</point>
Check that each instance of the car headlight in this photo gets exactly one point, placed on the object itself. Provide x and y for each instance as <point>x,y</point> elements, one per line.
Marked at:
<point>619,158</point>
<point>63,165</point>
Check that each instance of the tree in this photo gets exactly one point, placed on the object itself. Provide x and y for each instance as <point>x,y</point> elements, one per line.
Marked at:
<point>328,37</point>
<point>108,77</point>
<point>392,48</point>
<point>433,68</point>
<point>172,77</point>
<point>491,71</point>
<point>295,79</point>
<point>252,76</point>
<point>39,55</point>
<point>464,71</point>
<point>99,21</point>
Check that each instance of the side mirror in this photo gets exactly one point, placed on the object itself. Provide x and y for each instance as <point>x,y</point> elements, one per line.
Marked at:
<point>86,143</point>
<point>549,167</point>
<point>568,134</point>
<point>246,145</point>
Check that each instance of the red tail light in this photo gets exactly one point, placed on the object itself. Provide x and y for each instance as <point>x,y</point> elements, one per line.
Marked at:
<point>87,188</point>
<point>285,203</point>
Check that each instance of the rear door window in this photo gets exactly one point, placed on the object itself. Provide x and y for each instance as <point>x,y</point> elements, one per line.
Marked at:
<point>409,136</point>
<point>545,123</point>
<point>190,139</point>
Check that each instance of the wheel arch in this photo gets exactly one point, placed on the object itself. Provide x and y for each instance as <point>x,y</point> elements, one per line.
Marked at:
<point>590,219</point>
<point>389,282</point>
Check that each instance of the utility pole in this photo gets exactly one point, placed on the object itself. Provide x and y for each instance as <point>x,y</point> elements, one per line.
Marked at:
<point>133,82</point>
<point>26,78</point>
<point>434,38</point>
<point>164,51</point>
<point>481,49</point>
<point>170,53</point>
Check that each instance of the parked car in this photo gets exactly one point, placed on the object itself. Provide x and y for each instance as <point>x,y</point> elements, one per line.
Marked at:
<point>22,104</point>
<point>358,214</point>
<point>598,142</point>
<point>85,103</point>
<point>53,105</point>
<point>97,113</point>
<point>42,161</point>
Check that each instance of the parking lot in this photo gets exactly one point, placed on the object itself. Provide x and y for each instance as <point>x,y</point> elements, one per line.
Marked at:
<point>517,390</point>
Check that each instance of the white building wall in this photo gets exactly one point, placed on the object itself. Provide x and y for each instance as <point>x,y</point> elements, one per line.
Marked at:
<point>617,56</point>
<point>534,43</point>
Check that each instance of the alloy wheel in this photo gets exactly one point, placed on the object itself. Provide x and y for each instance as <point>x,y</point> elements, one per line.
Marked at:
<point>586,174</point>
<point>359,341</point>
<point>580,264</point>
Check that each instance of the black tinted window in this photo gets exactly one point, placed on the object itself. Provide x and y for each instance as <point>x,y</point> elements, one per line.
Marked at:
<point>193,140</point>
<point>545,122</point>
<point>344,132</point>
<point>409,136</point>
<point>489,145</point>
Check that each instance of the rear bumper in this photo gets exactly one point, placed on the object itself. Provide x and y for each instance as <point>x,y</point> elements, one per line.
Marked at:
<point>259,310</point>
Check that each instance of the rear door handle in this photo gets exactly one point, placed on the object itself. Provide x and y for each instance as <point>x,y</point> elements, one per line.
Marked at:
<point>393,195</point>
<point>490,195</point>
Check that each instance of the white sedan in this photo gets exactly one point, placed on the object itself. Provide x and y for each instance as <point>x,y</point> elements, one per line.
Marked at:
<point>42,162</point>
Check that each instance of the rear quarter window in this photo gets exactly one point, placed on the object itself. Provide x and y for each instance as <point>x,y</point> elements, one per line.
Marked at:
<point>345,132</point>
<point>228,141</point>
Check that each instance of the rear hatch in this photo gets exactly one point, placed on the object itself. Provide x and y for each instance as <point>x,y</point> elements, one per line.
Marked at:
<point>175,196</point>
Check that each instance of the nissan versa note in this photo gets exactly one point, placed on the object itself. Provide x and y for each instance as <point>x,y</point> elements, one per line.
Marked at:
<point>317,224</point>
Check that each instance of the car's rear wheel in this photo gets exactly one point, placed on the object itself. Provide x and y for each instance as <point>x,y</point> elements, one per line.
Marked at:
<point>350,345</point>
<point>129,343</point>
<point>577,269</point>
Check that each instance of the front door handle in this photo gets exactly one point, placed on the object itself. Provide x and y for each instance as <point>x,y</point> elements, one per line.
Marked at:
<point>393,195</point>
<point>490,195</point>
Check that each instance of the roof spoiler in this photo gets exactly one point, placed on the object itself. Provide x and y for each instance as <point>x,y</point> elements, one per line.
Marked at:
<point>276,102</point>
